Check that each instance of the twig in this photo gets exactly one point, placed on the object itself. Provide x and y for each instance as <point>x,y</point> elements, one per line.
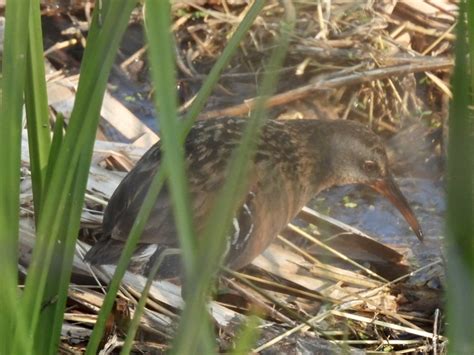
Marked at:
<point>289,332</point>
<point>410,26</point>
<point>375,342</point>
<point>321,270</point>
<point>250,297</point>
<point>440,84</point>
<point>335,252</point>
<point>300,293</point>
<point>303,320</point>
<point>138,54</point>
<point>435,332</point>
<point>345,80</point>
<point>439,39</point>
<point>356,317</point>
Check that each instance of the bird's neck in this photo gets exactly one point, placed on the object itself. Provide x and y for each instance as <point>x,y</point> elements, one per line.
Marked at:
<point>313,138</point>
<point>300,161</point>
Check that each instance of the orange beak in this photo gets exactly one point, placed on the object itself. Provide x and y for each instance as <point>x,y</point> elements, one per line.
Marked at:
<point>390,190</point>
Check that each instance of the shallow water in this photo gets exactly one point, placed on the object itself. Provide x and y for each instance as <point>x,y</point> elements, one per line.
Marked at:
<point>372,213</point>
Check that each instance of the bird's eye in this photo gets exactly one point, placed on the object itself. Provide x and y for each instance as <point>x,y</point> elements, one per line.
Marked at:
<point>370,166</point>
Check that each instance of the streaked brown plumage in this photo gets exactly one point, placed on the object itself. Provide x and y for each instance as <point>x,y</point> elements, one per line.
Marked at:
<point>295,160</point>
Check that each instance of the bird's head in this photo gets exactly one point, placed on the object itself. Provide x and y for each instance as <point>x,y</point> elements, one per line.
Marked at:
<point>357,156</point>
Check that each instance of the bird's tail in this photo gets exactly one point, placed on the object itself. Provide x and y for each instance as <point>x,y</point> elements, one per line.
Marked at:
<point>107,251</point>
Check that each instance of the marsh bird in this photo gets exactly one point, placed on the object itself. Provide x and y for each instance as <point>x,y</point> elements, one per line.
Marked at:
<point>294,161</point>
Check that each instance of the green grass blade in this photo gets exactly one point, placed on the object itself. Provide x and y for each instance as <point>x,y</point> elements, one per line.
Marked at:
<point>214,235</point>
<point>36,101</point>
<point>195,108</point>
<point>167,109</point>
<point>13,80</point>
<point>470,36</point>
<point>55,145</point>
<point>163,72</point>
<point>460,200</point>
<point>158,24</point>
<point>247,336</point>
<point>103,40</point>
<point>137,228</point>
<point>49,329</point>
<point>127,346</point>
<point>222,62</point>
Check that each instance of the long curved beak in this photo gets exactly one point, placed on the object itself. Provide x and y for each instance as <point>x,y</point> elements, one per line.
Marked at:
<point>389,188</point>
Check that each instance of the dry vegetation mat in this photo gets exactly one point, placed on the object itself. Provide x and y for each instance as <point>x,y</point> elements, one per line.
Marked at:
<point>324,285</point>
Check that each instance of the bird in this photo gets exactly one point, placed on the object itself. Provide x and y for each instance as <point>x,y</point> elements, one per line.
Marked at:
<point>294,161</point>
